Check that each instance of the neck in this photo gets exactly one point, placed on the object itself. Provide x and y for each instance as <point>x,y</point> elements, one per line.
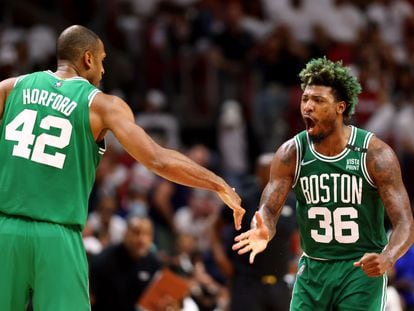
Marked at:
<point>67,70</point>
<point>334,143</point>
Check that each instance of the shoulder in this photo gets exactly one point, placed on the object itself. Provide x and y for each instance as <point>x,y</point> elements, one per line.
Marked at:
<point>284,162</point>
<point>103,100</point>
<point>382,162</point>
<point>111,105</point>
<point>7,84</point>
<point>109,112</point>
<point>379,150</point>
<point>287,151</point>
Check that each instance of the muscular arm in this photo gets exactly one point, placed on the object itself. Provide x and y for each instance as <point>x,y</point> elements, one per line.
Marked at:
<point>112,113</point>
<point>385,171</point>
<point>263,226</point>
<point>280,184</point>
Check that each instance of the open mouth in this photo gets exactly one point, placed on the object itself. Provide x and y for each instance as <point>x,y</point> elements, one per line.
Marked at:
<point>309,123</point>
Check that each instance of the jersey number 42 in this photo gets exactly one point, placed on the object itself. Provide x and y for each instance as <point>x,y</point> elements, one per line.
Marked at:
<point>30,146</point>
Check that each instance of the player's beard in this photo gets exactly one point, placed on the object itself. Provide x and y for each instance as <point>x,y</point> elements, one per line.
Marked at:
<point>315,139</point>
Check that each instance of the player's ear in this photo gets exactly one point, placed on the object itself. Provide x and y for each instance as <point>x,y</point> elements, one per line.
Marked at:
<point>341,107</point>
<point>88,59</point>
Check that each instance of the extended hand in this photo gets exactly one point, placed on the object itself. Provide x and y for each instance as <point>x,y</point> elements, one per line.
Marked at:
<point>232,200</point>
<point>374,264</point>
<point>254,241</point>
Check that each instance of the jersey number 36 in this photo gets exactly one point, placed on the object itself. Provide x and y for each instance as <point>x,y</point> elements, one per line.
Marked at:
<point>337,224</point>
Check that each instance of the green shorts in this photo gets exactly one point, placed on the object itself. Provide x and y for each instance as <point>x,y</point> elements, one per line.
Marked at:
<point>336,285</point>
<point>43,258</point>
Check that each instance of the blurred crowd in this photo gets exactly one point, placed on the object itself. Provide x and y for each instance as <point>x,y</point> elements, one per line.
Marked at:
<point>218,81</point>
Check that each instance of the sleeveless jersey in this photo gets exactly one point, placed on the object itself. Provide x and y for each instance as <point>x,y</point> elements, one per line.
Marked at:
<point>48,154</point>
<point>339,211</point>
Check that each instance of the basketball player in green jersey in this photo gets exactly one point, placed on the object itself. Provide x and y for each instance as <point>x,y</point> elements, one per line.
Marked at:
<point>52,130</point>
<point>344,179</point>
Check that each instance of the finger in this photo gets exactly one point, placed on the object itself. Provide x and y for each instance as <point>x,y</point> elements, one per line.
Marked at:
<point>357,264</point>
<point>244,250</point>
<point>237,223</point>
<point>238,216</point>
<point>240,244</point>
<point>242,236</point>
<point>252,256</point>
<point>236,246</point>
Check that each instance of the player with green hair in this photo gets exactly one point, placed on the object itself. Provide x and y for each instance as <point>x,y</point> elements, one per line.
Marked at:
<point>345,180</point>
<point>345,86</point>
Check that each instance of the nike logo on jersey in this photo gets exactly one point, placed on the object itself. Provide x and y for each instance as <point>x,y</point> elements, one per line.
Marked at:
<point>303,163</point>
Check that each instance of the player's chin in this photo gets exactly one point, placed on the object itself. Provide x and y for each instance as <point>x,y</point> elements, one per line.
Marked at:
<point>315,136</point>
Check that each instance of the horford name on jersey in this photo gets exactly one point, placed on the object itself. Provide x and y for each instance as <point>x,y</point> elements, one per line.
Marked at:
<point>56,101</point>
<point>333,187</point>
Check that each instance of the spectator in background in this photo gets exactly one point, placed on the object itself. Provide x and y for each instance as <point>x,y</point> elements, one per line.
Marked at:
<point>232,142</point>
<point>299,16</point>
<point>136,201</point>
<point>166,197</point>
<point>188,262</point>
<point>104,223</point>
<point>265,284</point>
<point>197,217</point>
<point>121,272</point>
<point>160,125</point>
<point>403,125</point>
<point>343,21</point>
<point>279,61</point>
<point>390,16</point>
<point>231,54</point>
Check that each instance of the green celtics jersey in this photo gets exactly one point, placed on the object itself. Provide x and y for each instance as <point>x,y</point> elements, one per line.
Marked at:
<point>339,211</point>
<point>48,154</point>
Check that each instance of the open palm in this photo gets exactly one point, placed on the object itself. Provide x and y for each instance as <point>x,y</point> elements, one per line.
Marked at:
<point>254,240</point>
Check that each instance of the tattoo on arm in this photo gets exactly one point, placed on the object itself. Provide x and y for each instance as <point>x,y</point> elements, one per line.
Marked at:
<point>386,173</point>
<point>279,185</point>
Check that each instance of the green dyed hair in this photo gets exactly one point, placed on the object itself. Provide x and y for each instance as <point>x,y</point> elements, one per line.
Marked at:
<point>324,72</point>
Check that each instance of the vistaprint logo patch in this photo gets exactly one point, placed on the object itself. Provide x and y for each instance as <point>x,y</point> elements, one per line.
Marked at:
<point>352,164</point>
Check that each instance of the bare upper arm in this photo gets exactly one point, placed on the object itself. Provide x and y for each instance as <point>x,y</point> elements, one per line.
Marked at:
<point>111,113</point>
<point>284,163</point>
<point>384,169</point>
<point>282,173</point>
<point>5,87</point>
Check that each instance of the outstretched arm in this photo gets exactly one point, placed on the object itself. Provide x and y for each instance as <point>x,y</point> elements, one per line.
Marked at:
<point>112,113</point>
<point>274,195</point>
<point>385,171</point>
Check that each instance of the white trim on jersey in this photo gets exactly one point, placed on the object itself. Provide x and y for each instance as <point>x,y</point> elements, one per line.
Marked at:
<point>341,155</point>
<point>92,95</point>
<point>20,78</point>
<point>364,161</point>
<point>298,159</point>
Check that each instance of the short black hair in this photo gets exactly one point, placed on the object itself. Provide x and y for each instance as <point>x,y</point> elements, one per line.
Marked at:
<point>74,41</point>
<point>345,86</point>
